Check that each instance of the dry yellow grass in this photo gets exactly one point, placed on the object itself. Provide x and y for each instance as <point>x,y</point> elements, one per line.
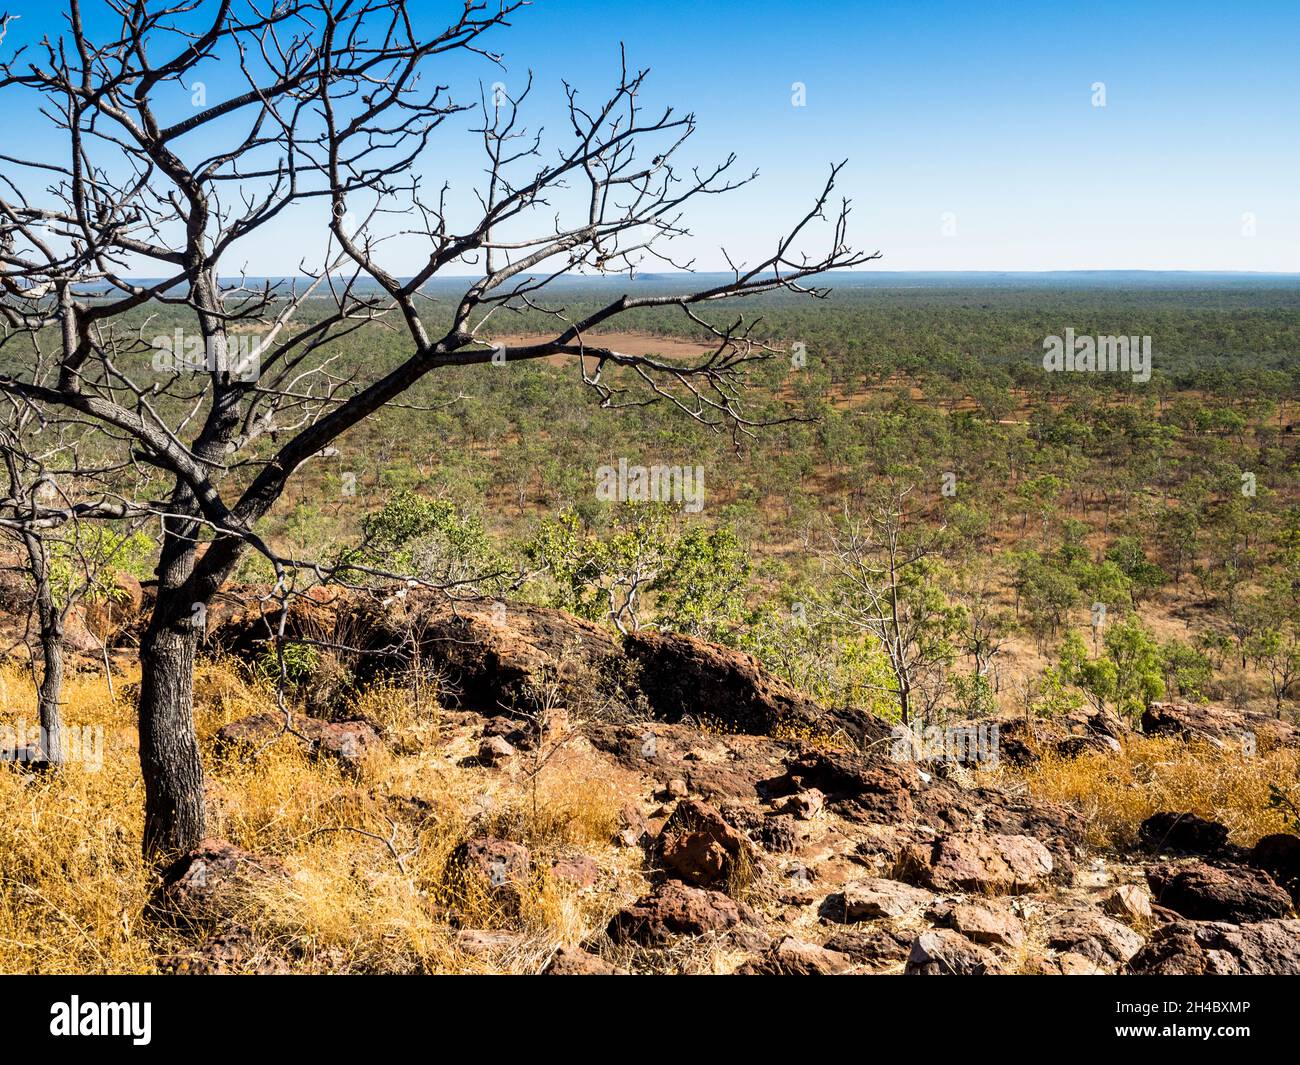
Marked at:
<point>1117,792</point>
<point>368,886</point>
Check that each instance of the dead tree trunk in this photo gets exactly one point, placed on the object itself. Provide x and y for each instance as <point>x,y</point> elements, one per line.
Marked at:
<point>49,694</point>
<point>174,816</point>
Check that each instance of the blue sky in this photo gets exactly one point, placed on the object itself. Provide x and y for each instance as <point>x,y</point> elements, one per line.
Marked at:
<point>975,116</point>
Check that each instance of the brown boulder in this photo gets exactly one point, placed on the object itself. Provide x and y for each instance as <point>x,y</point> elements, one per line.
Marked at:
<point>211,883</point>
<point>696,845</point>
<point>1191,948</point>
<point>494,751</point>
<point>232,951</point>
<point>1131,903</point>
<point>675,909</point>
<point>878,946</point>
<point>940,952</point>
<point>986,922</point>
<point>486,940</point>
<point>1100,939</point>
<point>1218,893</point>
<point>794,957</point>
<point>570,961</point>
<point>874,897</point>
<point>576,870</point>
<point>495,869</point>
<point>1068,964</point>
<point>1187,833</point>
<point>1058,828</point>
<point>1279,856</point>
<point>977,863</point>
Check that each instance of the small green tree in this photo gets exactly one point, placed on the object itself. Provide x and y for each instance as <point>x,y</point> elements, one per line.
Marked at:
<point>1276,650</point>
<point>1127,675</point>
<point>702,588</point>
<point>427,539</point>
<point>1187,671</point>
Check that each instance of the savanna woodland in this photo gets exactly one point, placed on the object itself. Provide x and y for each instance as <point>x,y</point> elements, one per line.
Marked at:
<point>558,607</point>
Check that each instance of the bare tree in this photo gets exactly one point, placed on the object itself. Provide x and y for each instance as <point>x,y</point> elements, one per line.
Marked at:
<point>885,589</point>
<point>985,625</point>
<point>332,112</point>
<point>43,470</point>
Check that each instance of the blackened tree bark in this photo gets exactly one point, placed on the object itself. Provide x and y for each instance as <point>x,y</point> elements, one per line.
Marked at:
<point>174,816</point>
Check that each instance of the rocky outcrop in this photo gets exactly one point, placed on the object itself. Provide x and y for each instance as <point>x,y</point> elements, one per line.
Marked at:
<point>500,657</point>
<point>683,676</point>
<point>1279,856</point>
<point>1221,726</point>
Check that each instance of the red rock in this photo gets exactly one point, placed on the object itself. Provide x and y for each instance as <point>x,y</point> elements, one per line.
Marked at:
<point>794,957</point>
<point>1131,903</point>
<point>1218,893</point>
<point>495,868</point>
<point>1279,856</point>
<point>1192,948</point>
<point>1188,833</point>
<point>346,742</point>
<point>1219,725</point>
<point>985,922</point>
<point>675,909</point>
<point>873,897</point>
<point>941,952</point>
<point>580,870</point>
<point>232,951</point>
<point>569,961</point>
<point>696,845</point>
<point>494,750</point>
<point>1089,934</point>
<point>213,882</point>
<point>973,862</point>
